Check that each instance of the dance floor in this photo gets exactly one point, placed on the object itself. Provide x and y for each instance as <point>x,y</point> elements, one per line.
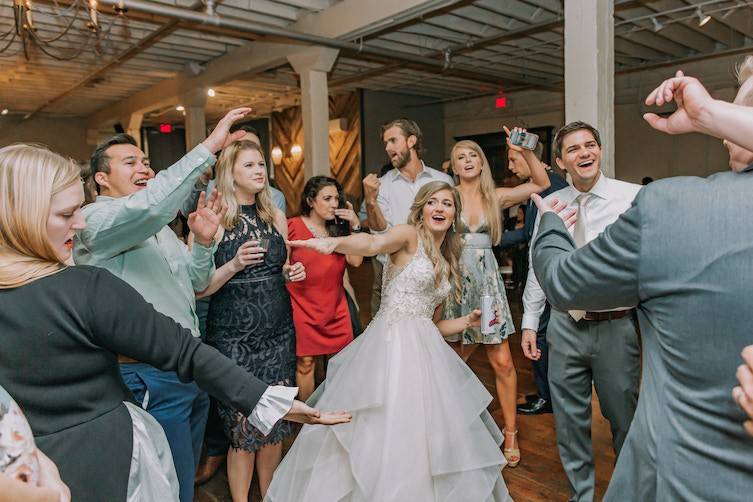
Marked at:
<point>539,476</point>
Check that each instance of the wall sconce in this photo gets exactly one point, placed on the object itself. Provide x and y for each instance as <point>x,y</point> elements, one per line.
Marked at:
<point>296,152</point>
<point>277,155</point>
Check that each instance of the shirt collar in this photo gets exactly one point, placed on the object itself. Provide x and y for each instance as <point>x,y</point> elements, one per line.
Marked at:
<point>600,189</point>
<point>396,172</point>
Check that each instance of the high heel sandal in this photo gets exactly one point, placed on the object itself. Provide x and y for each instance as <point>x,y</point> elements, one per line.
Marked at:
<point>512,455</point>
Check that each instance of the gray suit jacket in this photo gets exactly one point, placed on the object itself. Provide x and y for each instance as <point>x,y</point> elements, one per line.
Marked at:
<point>683,253</point>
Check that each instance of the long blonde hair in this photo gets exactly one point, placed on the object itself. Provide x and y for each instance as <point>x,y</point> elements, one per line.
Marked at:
<point>30,175</point>
<point>225,185</point>
<point>446,258</point>
<point>488,195</point>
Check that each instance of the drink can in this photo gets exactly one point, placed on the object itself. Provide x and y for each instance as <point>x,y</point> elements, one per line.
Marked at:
<point>488,314</point>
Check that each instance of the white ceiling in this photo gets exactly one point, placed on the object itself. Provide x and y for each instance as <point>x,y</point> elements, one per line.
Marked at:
<point>488,45</point>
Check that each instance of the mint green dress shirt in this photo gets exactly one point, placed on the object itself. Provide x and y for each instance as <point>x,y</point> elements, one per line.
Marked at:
<point>129,237</point>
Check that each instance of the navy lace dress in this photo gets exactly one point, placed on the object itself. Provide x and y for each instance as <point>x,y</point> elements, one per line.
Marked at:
<point>250,321</point>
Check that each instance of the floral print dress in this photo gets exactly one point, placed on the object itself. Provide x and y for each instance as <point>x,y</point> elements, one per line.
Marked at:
<point>480,275</point>
<point>18,453</point>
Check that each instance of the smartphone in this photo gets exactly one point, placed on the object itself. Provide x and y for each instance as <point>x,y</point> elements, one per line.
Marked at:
<point>526,140</point>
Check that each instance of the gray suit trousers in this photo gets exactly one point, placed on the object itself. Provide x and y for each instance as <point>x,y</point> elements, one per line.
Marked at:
<point>606,353</point>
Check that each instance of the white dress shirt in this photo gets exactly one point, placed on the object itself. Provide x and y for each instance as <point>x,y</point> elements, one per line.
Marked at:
<point>609,199</point>
<point>397,192</point>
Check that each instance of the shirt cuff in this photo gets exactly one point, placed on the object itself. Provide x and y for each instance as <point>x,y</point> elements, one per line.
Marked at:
<point>274,404</point>
<point>200,155</point>
<point>530,321</point>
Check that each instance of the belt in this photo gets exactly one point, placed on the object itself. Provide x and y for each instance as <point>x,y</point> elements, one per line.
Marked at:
<point>610,315</point>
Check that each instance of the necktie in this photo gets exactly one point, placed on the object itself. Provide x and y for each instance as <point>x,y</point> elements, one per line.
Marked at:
<point>579,236</point>
<point>581,221</point>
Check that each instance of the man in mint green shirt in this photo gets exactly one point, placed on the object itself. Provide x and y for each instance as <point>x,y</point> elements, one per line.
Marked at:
<point>126,233</point>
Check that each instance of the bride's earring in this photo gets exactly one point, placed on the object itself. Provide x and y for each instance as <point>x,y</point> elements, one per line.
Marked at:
<point>453,225</point>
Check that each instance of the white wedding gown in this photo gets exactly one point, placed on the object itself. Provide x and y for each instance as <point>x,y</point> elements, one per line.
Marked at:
<point>420,430</point>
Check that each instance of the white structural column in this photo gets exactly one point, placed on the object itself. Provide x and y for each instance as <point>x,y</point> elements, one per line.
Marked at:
<point>312,64</point>
<point>132,125</point>
<point>195,122</point>
<point>589,70</point>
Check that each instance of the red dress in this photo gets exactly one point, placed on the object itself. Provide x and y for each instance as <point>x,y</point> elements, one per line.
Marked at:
<point>320,309</point>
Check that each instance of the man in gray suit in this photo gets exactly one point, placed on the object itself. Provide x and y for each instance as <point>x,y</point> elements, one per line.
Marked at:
<point>684,254</point>
<point>586,349</point>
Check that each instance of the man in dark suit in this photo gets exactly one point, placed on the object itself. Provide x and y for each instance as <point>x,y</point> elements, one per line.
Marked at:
<point>686,441</point>
<point>541,401</point>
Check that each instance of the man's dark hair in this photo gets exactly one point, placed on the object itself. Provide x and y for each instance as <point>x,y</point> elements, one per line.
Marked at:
<point>100,162</point>
<point>408,128</point>
<point>646,180</point>
<point>572,127</point>
<point>246,128</point>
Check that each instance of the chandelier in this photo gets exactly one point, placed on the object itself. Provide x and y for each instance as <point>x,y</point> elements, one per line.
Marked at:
<point>67,22</point>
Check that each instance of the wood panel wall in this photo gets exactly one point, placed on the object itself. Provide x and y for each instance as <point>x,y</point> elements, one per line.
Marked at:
<point>344,149</point>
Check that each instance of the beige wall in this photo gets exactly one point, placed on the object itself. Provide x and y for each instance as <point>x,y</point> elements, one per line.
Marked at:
<point>65,136</point>
<point>640,151</point>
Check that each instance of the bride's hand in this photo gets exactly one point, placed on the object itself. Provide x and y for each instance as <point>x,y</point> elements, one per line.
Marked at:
<point>324,245</point>
<point>305,414</point>
<point>474,319</point>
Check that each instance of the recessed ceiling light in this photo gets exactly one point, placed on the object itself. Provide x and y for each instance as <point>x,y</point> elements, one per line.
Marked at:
<point>4,112</point>
<point>180,108</point>
<point>211,93</point>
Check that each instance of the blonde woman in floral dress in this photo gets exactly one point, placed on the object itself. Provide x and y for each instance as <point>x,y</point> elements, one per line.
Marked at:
<point>481,224</point>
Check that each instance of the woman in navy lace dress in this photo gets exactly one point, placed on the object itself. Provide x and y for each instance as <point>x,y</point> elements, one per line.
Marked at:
<point>250,317</point>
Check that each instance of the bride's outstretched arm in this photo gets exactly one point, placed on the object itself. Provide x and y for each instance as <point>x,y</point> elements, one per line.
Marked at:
<point>361,244</point>
<point>449,327</point>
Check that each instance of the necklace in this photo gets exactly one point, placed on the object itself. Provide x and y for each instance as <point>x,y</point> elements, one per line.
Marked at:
<point>314,231</point>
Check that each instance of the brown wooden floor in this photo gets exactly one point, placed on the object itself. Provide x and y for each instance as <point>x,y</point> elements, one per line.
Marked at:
<point>539,476</point>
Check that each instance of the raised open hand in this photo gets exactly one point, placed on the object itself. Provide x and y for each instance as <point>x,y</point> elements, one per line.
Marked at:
<point>692,101</point>
<point>221,136</point>
<point>205,221</point>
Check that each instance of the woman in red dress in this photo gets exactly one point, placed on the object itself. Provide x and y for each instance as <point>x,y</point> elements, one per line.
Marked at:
<point>320,307</point>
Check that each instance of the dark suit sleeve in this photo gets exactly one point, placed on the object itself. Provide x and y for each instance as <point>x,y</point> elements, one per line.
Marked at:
<point>120,320</point>
<point>599,276</point>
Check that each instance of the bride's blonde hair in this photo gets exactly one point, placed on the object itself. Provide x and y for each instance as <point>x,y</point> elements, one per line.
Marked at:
<point>446,258</point>
<point>30,175</point>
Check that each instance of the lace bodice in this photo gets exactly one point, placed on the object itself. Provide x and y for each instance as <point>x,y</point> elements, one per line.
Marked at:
<point>411,290</point>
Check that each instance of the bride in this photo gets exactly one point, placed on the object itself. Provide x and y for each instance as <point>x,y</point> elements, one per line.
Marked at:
<point>420,430</point>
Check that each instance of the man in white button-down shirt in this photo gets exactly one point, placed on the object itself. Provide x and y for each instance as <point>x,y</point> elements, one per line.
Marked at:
<point>586,347</point>
<point>388,199</point>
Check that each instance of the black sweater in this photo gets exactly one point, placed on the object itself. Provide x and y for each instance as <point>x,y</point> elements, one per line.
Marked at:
<point>59,340</point>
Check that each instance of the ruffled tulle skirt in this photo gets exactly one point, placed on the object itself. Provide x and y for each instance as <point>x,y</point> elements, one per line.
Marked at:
<point>420,428</point>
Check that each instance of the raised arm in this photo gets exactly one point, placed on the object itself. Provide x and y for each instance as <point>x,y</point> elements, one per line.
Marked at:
<point>117,225</point>
<point>538,182</point>
<point>377,204</point>
<point>697,111</point>
<point>396,239</point>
